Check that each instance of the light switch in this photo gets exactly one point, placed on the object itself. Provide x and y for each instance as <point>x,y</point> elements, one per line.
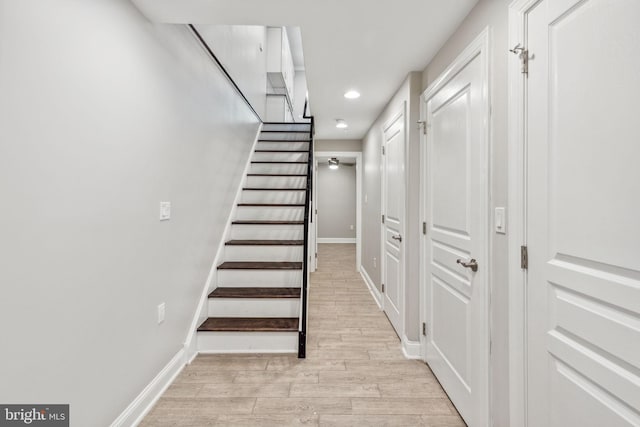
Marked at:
<point>165,211</point>
<point>500,221</point>
<point>161,311</point>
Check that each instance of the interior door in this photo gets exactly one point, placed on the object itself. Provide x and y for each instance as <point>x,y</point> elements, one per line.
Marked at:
<point>393,183</point>
<point>456,263</point>
<point>583,211</point>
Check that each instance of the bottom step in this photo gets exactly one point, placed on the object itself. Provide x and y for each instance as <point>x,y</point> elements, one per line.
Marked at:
<point>247,342</point>
<point>250,324</point>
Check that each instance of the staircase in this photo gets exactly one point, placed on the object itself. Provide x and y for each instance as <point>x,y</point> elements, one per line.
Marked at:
<point>259,303</point>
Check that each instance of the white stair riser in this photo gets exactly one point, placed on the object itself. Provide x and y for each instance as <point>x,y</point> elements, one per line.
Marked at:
<point>260,278</point>
<point>285,136</point>
<point>279,157</point>
<point>254,307</point>
<point>263,253</point>
<point>262,145</point>
<point>299,126</point>
<point>270,197</point>
<point>279,168</point>
<point>248,342</point>
<point>270,213</point>
<point>276,181</point>
<point>267,232</point>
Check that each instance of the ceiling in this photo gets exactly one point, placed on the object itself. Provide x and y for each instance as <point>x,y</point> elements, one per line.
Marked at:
<point>366,45</point>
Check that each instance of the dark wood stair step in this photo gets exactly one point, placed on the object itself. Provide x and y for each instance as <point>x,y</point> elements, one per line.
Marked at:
<point>273,189</point>
<point>250,324</point>
<point>260,265</point>
<point>255,293</point>
<point>265,222</point>
<point>283,151</point>
<point>278,174</point>
<point>265,243</point>
<point>272,205</point>
<point>274,162</point>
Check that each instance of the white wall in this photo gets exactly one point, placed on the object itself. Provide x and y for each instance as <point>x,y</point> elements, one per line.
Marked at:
<point>336,202</point>
<point>102,116</point>
<point>242,50</point>
<point>353,145</point>
<point>492,13</point>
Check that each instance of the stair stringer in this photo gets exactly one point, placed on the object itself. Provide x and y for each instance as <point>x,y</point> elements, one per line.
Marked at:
<point>201,310</point>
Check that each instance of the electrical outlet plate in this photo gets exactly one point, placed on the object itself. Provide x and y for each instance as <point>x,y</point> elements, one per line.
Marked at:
<point>161,313</point>
<point>165,211</point>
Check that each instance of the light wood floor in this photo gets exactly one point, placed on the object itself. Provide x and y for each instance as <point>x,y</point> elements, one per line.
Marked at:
<point>354,373</point>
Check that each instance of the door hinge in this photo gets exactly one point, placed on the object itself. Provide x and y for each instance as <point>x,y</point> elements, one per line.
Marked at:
<point>424,228</point>
<point>383,288</point>
<point>524,257</point>
<point>383,219</point>
<point>316,255</point>
<point>423,125</point>
<point>383,151</point>
<point>424,329</point>
<point>523,54</point>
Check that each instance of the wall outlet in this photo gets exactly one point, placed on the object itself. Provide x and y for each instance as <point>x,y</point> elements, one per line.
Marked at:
<point>165,211</point>
<point>161,312</point>
<point>375,263</point>
<point>351,227</point>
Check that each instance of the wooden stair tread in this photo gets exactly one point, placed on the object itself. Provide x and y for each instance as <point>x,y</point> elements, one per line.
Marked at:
<point>284,140</point>
<point>282,151</point>
<point>265,222</point>
<point>274,162</point>
<point>273,189</point>
<point>255,293</point>
<point>250,324</point>
<point>278,174</point>
<point>270,205</point>
<point>265,243</point>
<point>260,265</point>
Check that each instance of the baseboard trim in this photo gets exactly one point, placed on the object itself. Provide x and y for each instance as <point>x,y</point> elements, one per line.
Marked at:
<point>252,351</point>
<point>336,240</point>
<point>142,404</point>
<point>375,293</point>
<point>411,349</point>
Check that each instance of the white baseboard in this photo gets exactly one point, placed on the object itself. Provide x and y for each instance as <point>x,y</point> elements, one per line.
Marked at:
<point>142,404</point>
<point>190,344</point>
<point>336,240</point>
<point>411,349</point>
<point>375,293</point>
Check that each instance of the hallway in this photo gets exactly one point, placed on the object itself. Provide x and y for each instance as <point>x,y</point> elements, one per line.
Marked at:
<point>354,374</point>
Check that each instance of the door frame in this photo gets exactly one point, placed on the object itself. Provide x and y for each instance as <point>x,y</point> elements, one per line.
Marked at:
<point>399,110</point>
<point>358,156</point>
<point>480,46</point>
<point>516,213</point>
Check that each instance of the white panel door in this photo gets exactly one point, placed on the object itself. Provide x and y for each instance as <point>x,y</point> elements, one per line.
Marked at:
<point>456,193</point>
<point>583,214</point>
<point>393,183</point>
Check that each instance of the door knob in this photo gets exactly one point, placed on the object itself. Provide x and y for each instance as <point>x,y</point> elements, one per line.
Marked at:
<point>472,264</point>
<point>398,238</point>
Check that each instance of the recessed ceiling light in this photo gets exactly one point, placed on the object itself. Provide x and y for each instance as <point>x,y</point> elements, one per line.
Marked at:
<point>352,94</point>
<point>341,124</point>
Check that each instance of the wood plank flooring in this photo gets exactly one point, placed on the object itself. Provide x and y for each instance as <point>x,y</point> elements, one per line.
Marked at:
<point>354,373</point>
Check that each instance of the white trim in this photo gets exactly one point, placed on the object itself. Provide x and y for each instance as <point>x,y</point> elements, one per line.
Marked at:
<point>411,349</point>
<point>358,157</point>
<point>480,46</point>
<point>375,293</point>
<point>337,240</point>
<point>518,11</point>
<point>142,404</point>
<point>190,344</point>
